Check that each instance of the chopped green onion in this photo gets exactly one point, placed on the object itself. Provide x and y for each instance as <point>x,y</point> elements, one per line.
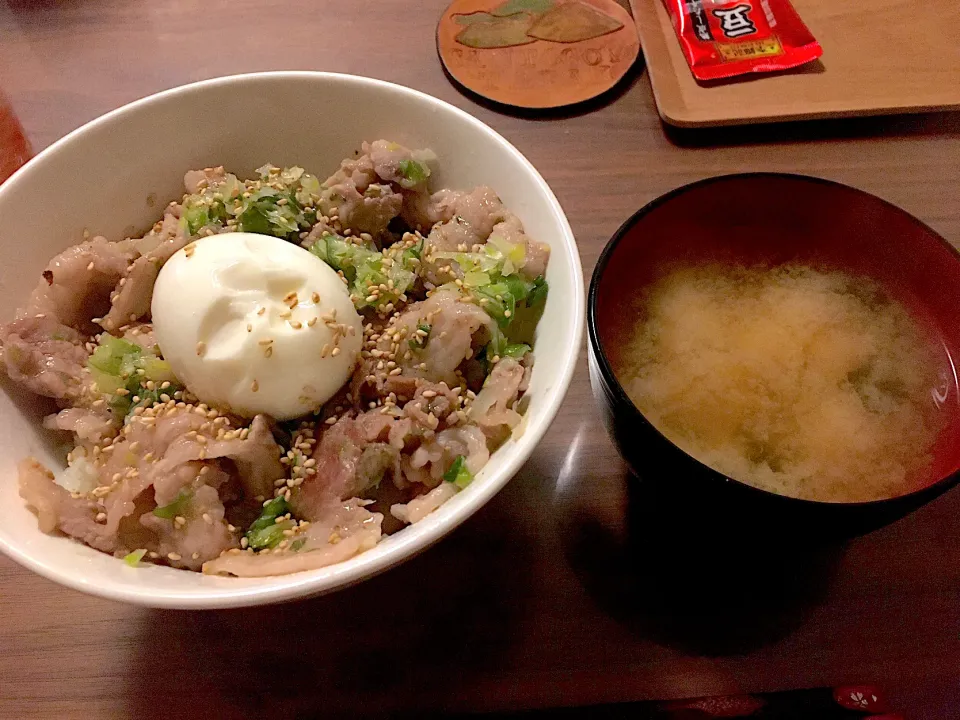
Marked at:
<point>413,171</point>
<point>256,207</point>
<point>538,294</point>
<point>200,215</point>
<point>147,398</point>
<point>157,369</point>
<point>271,511</point>
<point>265,531</point>
<point>269,536</point>
<point>253,219</point>
<point>414,252</point>
<point>459,474</point>
<point>473,262</point>
<point>319,248</point>
<point>520,287</point>
<point>342,255</point>
<point>298,544</point>
<point>177,507</point>
<point>418,342</point>
<point>515,350</point>
<point>476,279</point>
<point>512,256</point>
<point>500,303</point>
<point>115,365</point>
<point>230,188</point>
<point>291,175</point>
<point>497,345</point>
<point>133,559</point>
<point>309,186</point>
<point>111,353</point>
<point>107,383</point>
<point>364,269</point>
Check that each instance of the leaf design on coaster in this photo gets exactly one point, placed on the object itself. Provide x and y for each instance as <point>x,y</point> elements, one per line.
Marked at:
<point>474,17</point>
<point>573,22</point>
<point>483,30</point>
<point>534,7</point>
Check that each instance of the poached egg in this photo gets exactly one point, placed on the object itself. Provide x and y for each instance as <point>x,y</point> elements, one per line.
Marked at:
<point>254,324</point>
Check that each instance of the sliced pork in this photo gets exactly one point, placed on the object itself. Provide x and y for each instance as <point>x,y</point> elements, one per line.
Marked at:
<point>195,487</point>
<point>45,356</point>
<point>345,530</point>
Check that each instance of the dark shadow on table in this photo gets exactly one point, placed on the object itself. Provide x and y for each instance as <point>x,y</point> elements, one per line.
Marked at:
<point>811,68</point>
<point>44,9</point>
<point>680,574</point>
<point>443,613</point>
<point>885,127</point>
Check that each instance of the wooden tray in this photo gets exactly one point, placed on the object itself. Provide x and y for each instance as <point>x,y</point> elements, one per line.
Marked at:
<point>879,57</point>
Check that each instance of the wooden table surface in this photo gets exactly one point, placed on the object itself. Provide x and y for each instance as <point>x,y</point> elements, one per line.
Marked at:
<point>569,588</point>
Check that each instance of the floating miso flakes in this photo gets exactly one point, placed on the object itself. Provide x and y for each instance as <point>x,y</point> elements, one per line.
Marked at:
<point>806,383</point>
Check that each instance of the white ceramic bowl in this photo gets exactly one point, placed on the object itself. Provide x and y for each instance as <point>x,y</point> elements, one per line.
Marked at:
<point>114,175</point>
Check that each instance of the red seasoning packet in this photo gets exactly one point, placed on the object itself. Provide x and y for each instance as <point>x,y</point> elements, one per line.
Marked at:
<point>725,38</point>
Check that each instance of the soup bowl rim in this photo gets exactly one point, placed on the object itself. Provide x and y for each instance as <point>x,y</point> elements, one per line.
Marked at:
<point>620,400</point>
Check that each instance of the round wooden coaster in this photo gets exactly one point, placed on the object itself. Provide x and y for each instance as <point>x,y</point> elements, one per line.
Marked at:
<point>537,53</point>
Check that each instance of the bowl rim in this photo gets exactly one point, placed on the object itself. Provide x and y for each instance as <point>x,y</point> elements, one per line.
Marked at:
<point>416,538</point>
<point>621,399</point>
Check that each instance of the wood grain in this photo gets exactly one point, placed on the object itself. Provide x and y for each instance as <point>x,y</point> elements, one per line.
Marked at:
<point>571,587</point>
<point>880,57</point>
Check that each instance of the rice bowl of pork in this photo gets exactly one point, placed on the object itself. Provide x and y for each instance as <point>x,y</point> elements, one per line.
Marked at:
<point>112,176</point>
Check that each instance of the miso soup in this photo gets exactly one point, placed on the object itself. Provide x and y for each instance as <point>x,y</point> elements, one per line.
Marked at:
<point>804,382</point>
